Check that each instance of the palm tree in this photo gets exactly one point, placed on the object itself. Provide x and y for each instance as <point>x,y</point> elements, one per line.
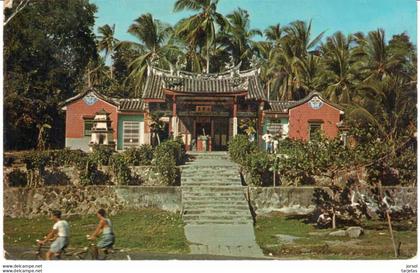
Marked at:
<point>154,47</point>
<point>340,68</point>
<point>273,33</point>
<point>290,59</point>
<point>298,34</point>
<point>388,105</point>
<point>238,37</point>
<point>202,26</point>
<point>97,72</point>
<point>378,63</point>
<point>107,41</point>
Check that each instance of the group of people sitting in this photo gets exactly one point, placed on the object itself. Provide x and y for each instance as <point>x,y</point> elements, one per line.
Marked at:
<point>60,234</point>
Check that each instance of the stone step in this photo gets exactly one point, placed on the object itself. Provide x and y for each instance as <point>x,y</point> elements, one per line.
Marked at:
<point>210,205</point>
<point>212,189</point>
<point>212,195</point>
<point>204,184</point>
<point>209,163</point>
<point>215,199</point>
<point>201,170</point>
<point>218,211</point>
<point>221,164</point>
<point>236,182</point>
<point>215,173</point>
<point>206,217</point>
<point>217,207</point>
<point>227,250</point>
<point>233,178</point>
<point>218,222</point>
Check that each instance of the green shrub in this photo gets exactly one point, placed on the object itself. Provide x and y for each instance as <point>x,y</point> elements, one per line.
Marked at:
<point>101,155</point>
<point>240,148</point>
<point>257,166</point>
<point>174,148</point>
<point>139,156</point>
<point>88,171</point>
<point>166,157</point>
<point>120,168</point>
<point>165,166</point>
<point>66,157</point>
<point>36,160</point>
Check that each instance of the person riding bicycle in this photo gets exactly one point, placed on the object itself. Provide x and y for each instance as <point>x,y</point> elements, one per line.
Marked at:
<point>59,233</point>
<point>107,239</point>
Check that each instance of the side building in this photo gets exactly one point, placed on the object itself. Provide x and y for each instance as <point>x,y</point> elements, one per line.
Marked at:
<point>205,110</point>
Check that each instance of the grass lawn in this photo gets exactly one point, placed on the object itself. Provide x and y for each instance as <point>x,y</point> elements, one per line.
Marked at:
<point>313,243</point>
<point>148,230</point>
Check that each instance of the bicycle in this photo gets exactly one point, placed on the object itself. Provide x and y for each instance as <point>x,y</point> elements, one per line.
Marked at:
<point>39,252</point>
<point>91,252</point>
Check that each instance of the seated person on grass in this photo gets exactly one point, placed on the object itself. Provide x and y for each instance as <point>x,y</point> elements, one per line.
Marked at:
<point>107,239</point>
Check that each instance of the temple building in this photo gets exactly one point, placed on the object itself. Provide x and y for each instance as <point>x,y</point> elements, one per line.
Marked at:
<point>205,110</point>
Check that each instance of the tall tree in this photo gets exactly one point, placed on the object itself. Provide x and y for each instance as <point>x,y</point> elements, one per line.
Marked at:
<point>340,74</point>
<point>154,47</point>
<point>47,46</point>
<point>200,26</point>
<point>237,37</point>
<point>290,56</point>
<point>389,105</point>
<point>107,42</point>
<point>378,63</point>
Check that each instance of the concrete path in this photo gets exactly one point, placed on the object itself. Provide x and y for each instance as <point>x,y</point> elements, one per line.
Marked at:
<point>216,213</point>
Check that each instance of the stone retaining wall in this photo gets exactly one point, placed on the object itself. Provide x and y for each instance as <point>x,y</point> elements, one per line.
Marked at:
<point>298,200</point>
<point>29,202</point>
<point>25,202</point>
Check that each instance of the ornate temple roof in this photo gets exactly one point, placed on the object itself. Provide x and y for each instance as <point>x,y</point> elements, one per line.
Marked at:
<point>231,81</point>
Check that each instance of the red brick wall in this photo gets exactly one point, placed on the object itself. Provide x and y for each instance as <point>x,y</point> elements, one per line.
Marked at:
<point>300,116</point>
<point>78,109</point>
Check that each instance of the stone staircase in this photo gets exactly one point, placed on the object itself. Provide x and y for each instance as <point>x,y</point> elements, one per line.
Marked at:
<point>216,213</point>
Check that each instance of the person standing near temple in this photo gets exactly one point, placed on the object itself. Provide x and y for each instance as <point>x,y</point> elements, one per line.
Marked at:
<point>268,139</point>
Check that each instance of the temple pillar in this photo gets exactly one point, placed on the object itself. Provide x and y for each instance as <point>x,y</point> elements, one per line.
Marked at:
<point>235,119</point>
<point>146,131</point>
<point>174,119</point>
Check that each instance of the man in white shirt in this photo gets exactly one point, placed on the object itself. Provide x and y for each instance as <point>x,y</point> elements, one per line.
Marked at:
<point>59,233</point>
<point>268,139</point>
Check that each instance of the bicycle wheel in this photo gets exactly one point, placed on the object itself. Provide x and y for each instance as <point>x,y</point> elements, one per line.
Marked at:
<point>88,254</point>
<point>29,256</point>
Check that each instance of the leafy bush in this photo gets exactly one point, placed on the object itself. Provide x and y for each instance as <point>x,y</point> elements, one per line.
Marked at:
<point>166,157</point>
<point>406,164</point>
<point>257,166</point>
<point>240,148</point>
<point>66,157</point>
<point>165,166</point>
<point>101,155</point>
<point>139,156</point>
<point>119,165</point>
<point>36,160</point>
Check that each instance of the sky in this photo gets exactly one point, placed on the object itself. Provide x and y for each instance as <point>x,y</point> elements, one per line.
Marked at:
<point>348,16</point>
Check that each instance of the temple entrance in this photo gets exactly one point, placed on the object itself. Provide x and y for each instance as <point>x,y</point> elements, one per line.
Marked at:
<point>220,134</point>
<point>203,134</point>
<point>211,133</point>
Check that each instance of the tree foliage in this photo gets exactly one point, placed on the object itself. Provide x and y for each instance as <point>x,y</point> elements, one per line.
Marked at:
<point>47,47</point>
